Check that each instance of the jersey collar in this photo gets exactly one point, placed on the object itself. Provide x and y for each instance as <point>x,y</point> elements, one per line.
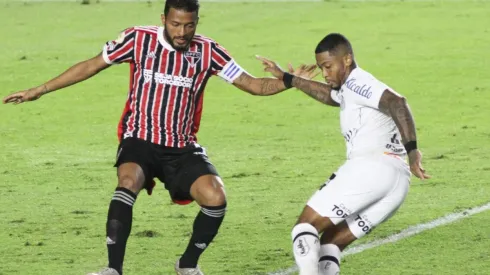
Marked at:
<point>162,40</point>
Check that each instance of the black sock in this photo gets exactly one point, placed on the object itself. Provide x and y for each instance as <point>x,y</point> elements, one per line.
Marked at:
<point>205,228</point>
<point>118,226</point>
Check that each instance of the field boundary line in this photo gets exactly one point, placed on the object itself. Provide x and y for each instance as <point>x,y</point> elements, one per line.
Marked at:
<point>408,232</point>
<point>255,1</point>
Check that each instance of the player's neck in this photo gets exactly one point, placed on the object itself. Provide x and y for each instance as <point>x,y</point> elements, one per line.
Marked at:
<point>348,72</point>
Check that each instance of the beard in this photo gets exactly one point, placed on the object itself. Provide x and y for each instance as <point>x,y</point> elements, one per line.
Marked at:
<point>180,48</point>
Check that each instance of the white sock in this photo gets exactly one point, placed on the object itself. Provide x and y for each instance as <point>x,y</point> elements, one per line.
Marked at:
<point>329,263</point>
<point>306,248</point>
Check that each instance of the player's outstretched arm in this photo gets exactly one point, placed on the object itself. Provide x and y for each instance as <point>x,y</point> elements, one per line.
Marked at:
<point>301,78</point>
<point>315,89</point>
<point>397,107</point>
<point>259,86</point>
<point>77,73</point>
<point>265,85</point>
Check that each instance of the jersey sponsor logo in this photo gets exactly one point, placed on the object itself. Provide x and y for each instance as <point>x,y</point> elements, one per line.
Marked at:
<point>395,148</point>
<point>341,211</point>
<point>173,80</point>
<point>364,224</point>
<point>363,90</point>
<point>192,57</point>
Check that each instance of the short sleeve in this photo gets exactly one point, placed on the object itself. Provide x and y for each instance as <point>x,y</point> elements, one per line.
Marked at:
<point>366,91</point>
<point>334,94</point>
<point>121,49</point>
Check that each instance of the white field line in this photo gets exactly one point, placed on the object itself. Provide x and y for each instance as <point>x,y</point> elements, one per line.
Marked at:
<point>410,231</point>
<point>254,1</point>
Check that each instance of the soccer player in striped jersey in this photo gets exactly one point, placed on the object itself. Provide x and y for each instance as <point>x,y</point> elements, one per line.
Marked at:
<point>169,69</point>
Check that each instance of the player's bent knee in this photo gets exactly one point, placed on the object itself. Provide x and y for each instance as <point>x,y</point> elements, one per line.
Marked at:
<point>215,197</point>
<point>129,183</point>
<point>328,235</point>
<point>342,244</point>
<point>343,238</point>
<point>131,176</point>
<point>208,190</point>
<point>310,216</point>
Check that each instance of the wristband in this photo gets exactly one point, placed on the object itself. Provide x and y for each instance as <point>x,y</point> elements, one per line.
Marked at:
<point>411,145</point>
<point>287,78</point>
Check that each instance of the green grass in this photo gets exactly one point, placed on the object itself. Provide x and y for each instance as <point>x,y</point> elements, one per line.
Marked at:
<point>56,174</point>
<point>459,248</point>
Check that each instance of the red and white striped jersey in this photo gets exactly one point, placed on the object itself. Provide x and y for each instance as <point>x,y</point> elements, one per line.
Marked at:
<point>166,86</point>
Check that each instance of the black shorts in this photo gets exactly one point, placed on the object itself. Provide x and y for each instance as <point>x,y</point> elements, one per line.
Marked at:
<point>177,168</point>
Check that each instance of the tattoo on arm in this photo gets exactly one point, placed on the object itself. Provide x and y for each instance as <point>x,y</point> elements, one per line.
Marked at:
<point>259,86</point>
<point>269,86</point>
<point>397,107</point>
<point>243,80</point>
<point>317,90</point>
<point>45,90</point>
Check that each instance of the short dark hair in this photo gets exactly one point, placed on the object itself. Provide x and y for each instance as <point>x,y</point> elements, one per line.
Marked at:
<point>185,5</point>
<point>334,42</point>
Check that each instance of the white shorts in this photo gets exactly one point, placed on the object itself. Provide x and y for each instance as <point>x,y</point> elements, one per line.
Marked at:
<point>364,192</point>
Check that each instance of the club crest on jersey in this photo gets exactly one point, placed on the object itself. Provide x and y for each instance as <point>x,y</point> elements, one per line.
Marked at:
<point>192,57</point>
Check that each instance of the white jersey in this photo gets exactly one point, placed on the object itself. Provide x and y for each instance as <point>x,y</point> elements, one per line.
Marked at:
<point>366,130</point>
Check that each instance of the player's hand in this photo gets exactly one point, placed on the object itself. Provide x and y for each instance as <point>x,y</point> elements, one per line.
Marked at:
<point>415,160</point>
<point>304,71</point>
<point>271,67</point>
<point>23,96</point>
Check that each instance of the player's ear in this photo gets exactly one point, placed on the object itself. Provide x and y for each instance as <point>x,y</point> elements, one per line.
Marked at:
<point>348,60</point>
<point>162,17</point>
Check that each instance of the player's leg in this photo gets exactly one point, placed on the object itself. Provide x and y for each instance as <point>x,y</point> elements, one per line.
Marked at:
<point>324,210</point>
<point>132,173</point>
<point>198,180</point>
<point>355,227</point>
<point>332,243</point>
<point>345,193</point>
<point>208,192</point>
<point>306,243</point>
<point>396,183</point>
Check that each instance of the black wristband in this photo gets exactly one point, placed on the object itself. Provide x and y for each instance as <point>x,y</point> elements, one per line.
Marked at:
<point>287,78</point>
<point>411,145</point>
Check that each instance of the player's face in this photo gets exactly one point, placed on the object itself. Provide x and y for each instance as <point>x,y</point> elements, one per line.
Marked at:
<point>180,27</point>
<point>334,68</point>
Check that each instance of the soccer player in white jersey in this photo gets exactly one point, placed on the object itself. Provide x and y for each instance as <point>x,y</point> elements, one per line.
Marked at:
<point>373,182</point>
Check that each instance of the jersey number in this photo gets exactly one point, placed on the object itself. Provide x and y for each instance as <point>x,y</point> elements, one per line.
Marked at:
<point>395,140</point>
